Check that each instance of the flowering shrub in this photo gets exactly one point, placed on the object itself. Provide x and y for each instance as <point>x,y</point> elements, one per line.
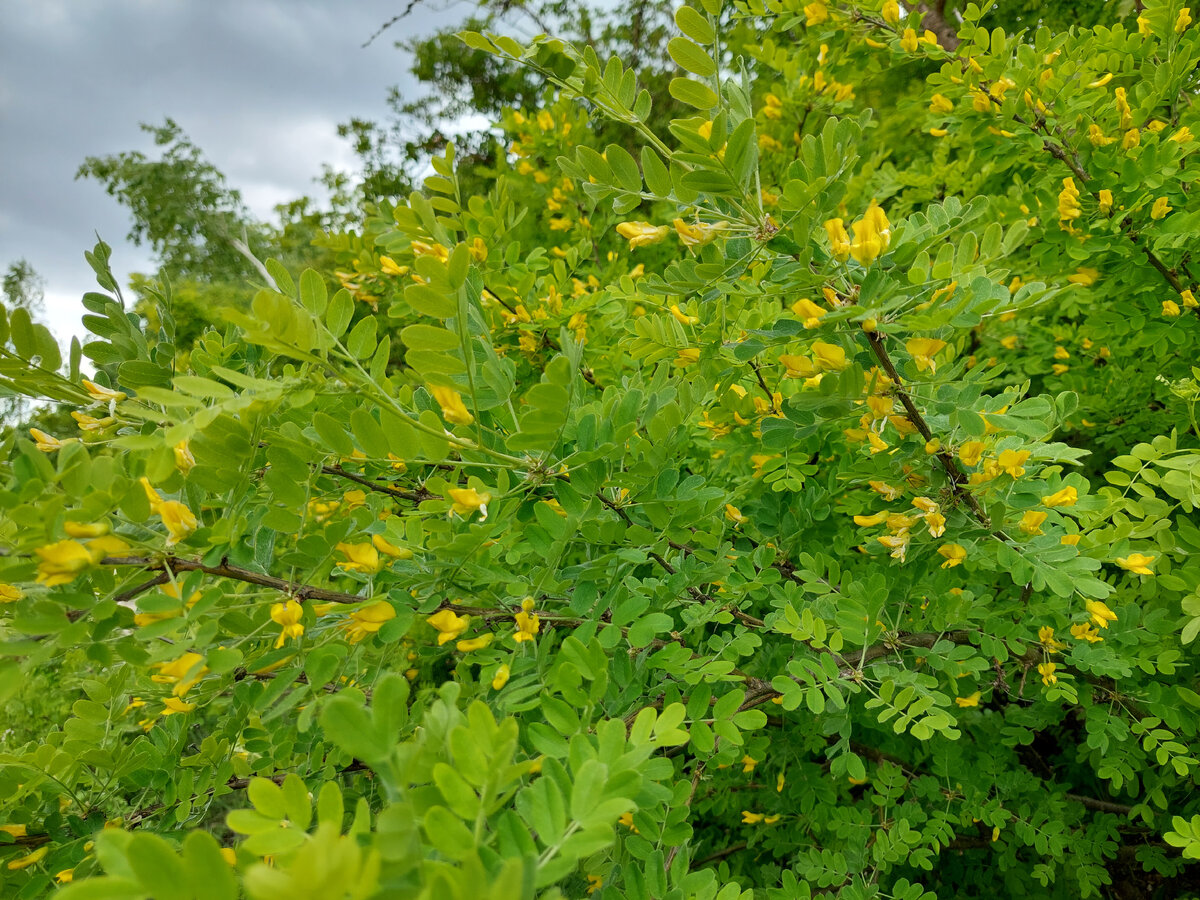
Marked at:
<point>800,497</point>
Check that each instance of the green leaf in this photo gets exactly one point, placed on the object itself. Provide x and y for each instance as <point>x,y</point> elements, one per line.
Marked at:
<point>693,93</point>
<point>429,337</point>
<point>158,868</point>
<point>448,835</point>
<point>690,57</point>
<point>427,301</point>
<point>210,877</point>
<point>694,25</point>
<point>313,295</point>
<point>341,309</point>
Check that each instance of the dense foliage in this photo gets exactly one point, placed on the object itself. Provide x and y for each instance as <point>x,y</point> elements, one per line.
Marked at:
<point>791,494</point>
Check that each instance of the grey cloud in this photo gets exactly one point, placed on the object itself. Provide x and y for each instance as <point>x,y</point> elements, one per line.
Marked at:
<point>258,84</point>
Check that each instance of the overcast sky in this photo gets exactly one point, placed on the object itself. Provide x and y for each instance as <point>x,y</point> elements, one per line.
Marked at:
<point>259,85</point>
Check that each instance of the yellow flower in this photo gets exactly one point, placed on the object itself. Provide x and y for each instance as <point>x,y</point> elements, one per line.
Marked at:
<point>595,882</point>
<point>1182,136</point>
<point>816,13</point>
<point>62,562</point>
<point>321,510</point>
<point>872,235</point>
<point>1189,300</point>
<point>937,524</point>
<point>1132,138</point>
<point>829,357</point>
<point>797,366</point>
<point>1136,563</point>
<point>354,499</point>
<point>891,12</point>
<point>361,557</point>
<point>1012,462</point>
<point>681,317</point>
<point>748,763</point>
<point>23,862</point>
<point>923,350</point>
<point>839,240</point>
<point>91,423</point>
<point>869,521</point>
<point>939,132</point>
<point>500,679</point>
<point>1183,20</point>
<point>1068,203</point>
<point>1123,109</point>
<point>181,672</point>
<point>449,625</point>
<point>969,700</point>
<point>734,515</point>
<point>10,593</point>
<point>1097,137</point>
<point>437,251</point>
<point>1084,632</point>
<point>908,42</point>
<point>1031,522</point>
<point>1084,276</point>
<point>642,234</point>
<point>897,543</point>
<point>389,266</point>
<point>287,615</point>
<point>1047,639</point>
<point>751,818</point>
<point>1046,670</point>
<point>451,402</point>
<point>810,312</point>
<point>1160,208</point>
<point>383,545</point>
<point>688,356</point>
<point>1171,309</point>
<point>368,620</point>
<point>1100,613</point>
<point>528,624</point>
<point>46,443</point>
<point>699,234</point>
<point>1065,497</point>
<point>101,394</point>
<point>476,643</point>
<point>468,500</point>
<point>626,819</point>
<point>1106,201</point>
<point>65,876</point>
<point>1070,540</point>
<point>954,554</point>
<point>175,705</point>
<point>184,461</point>
<point>971,452</point>
<point>941,105</point>
<point>179,520</point>
<point>14,830</point>
<point>885,490</point>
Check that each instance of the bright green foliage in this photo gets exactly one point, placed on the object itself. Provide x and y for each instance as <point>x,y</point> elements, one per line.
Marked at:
<point>796,497</point>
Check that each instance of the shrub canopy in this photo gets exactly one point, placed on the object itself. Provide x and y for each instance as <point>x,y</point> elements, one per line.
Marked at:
<point>794,497</point>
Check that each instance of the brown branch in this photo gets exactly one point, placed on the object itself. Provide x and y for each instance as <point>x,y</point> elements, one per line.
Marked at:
<point>400,494</point>
<point>953,472</point>
<point>174,565</point>
<point>720,854</point>
<point>1064,152</point>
